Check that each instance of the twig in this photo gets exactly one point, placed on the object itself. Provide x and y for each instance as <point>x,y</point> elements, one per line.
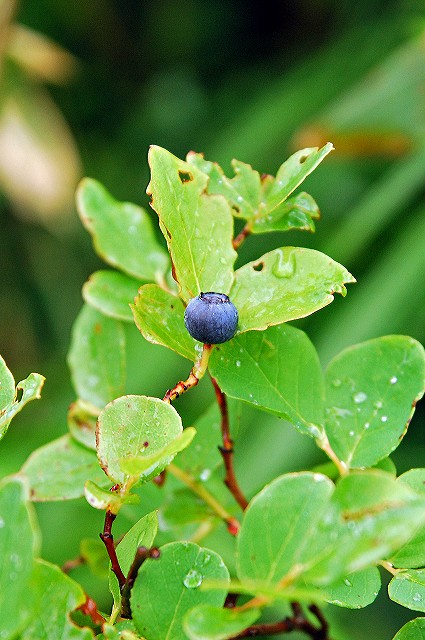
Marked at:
<point>69,565</point>
<point>231,522</point>
<point>108,540</point>
<point>142,553</point>
<point>89,608</point>
<point>197,372</point>
<point>241,237</point>
<point>227,449</point>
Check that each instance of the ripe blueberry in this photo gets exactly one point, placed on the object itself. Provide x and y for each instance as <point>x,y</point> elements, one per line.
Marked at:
<point>211,318</point>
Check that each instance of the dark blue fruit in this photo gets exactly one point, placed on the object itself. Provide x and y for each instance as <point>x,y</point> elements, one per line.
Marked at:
<point>211,318</point>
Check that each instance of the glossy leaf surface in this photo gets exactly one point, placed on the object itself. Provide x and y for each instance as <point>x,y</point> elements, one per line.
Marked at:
<point>59,469</point>
<point>408,589</point>
<point>277,370</point>
<point>132,425</point>
<point>370,391</point>
<point>97,357</point>
<point>111,293</point>
<point>179,572</point>
<point>412,554</point>
<point>356,590</point>
<point>122,232</point>
<point>285,284</point>
<point>159,316</point>
<point>198,227</point>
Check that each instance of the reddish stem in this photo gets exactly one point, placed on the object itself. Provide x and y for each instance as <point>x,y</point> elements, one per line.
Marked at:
<point>89,608</point>
<point>241,237</point>
<point>142,553</point>
<point>108,540</point>
<point>226,449</point>
<point>298,622</point>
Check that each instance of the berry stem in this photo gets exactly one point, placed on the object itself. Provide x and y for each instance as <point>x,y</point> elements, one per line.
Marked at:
<point>108,540</point>
<point>197,372</point>
<point>227,450</point>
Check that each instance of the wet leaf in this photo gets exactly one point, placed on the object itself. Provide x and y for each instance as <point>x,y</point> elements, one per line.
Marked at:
<point>179,572</point>
<point>122,232</point>
<point>371,391</point>
<point>206,622</point>
<point>356,590</point>
<point>297,212</point>
<point>198,227</point>
<point>408,589</point>
<point>285,284</point>
<point>111,293</point>
<point>412,554</point>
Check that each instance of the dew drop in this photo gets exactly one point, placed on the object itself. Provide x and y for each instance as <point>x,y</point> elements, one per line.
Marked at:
<point>206,559</point>
<point>417,597</point>
<point>223,261</point>
<point>366,425</point>
<point>205,475</point>
<point>393,380</point>
<point>359,397</point>
<point>283,268</point>
<point>384,418</point>
<point>193,579</point>
<point>347,582</point>
<point>1,523</point>
<point>239,199</point>
<point>238,363</point>
<point>378,404</point>
<point>351,433</point>
<point>336,382</point>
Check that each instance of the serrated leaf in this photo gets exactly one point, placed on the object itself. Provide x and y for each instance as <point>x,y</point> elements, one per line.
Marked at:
<point>111,293</point>
<point>59,469</point>
<point>142,465</point>
<point>122,232</point>
<point>81,419</point>
<point>285,284</point>
<point>298,212</point>
<point>179,572</point>
<point>102,499</point>
<point>198,227</point>
<point>130,425</point>
<point>141,534</point>
<point>284,516</point>
<point>277,370</point>
<point>55,596</point>
<point>205,622</point>
<point>159,316</point>
<point>243,191</point>
<point>370,391</point>
<point>356,590</point>
<point>368,515</point>
<point>293,172</point>
<point>413,630</point>
<point>19,542</point>
<point>97,357</point>
<point>408,589</point>
<point>412,554</point>
<point>10,404</point>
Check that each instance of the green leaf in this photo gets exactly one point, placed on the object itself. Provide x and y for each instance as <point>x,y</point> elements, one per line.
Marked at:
<point>55,597</point>
<point>298,212</point>
<point>107,500</point>
<point>413,630</point>
<point>10,405</point>
<point>182,507</point>
<point>122,232</point>
<point>371,390</point>
<point>59,469</point>
<point>97,357</point>
<point>159,316</point>
<point>178,573</point>
<point>408,589</point>
<point>111,293</point>
<point>369,515</point>
<point>280,525</point>
<point>92,550</point>
<point>123,630</point>
<point>198,227</point>
<point>277,370</point>
<point>412,554</point>
<point>356,590</point>
<point>141,534</point>
<point>130,425</point>
<point>19,542</point>
<point>285,284</point>
<point>293,172</point>
<point>81,418</point>
<point>206,622</point>
<point>142,465</point>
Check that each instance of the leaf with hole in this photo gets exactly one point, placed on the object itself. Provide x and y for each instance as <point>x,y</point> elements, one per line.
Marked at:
<point>179,572</point>
<point>159,316</point>
<point>97,357</point>
<point>111,293</point>
<point>277,370</point>
<point>285,284</point>
<point>198,227</point>
<point>122,232</point>
<point>135,426</point>
<point>371,392</point>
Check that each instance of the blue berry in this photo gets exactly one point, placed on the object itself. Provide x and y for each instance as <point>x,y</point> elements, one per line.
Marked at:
<point>211,318</point>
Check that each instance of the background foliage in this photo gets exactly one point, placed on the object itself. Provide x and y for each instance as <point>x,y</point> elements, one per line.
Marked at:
<point>232,81</point>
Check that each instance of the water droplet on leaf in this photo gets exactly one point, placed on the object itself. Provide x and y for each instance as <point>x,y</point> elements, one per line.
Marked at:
<point>393,380</point>
<point>205,474</point>
<point>283,268</point>
<point>384,418</point>
<point>336,382</point>
<point>193,579</point>
<point>238,363</point>
<point>347,582</point>
<point>359,397</point>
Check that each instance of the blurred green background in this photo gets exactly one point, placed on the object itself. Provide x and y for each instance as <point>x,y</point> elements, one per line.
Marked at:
<point>87,86</point>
